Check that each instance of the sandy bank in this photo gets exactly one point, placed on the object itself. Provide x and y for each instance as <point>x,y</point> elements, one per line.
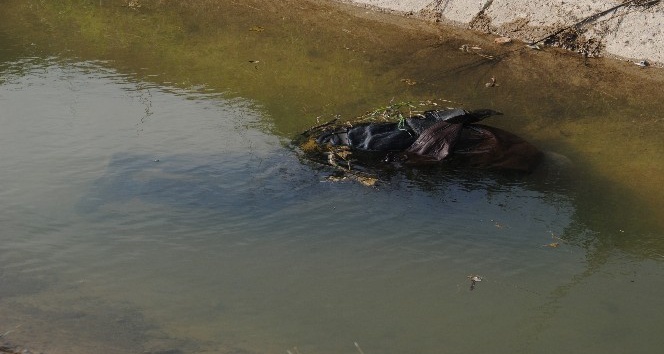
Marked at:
<point>632,30</point>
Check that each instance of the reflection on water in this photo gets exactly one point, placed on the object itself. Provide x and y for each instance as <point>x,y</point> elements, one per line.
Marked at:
<point>141,214</point>
<point>302,62</point>
<point>192,231</point>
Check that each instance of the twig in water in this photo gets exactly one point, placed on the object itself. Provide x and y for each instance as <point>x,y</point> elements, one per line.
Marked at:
<point>321,125</point>
<point>10,331</point>
<point>358,348</point>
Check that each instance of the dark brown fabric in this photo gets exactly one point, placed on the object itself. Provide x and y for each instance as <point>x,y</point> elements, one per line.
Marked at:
<point>490,147</point>
<point>437,141</point>
<point>475,145</point>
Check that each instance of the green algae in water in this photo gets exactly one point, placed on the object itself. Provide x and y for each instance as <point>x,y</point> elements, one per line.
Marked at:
<point>314,60</point>
<point>311,61</point>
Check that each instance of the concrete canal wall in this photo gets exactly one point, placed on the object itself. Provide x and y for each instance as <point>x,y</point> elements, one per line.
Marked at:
<point>625,29</point>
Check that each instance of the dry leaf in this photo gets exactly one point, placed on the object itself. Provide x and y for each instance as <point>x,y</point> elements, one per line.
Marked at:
<point>367,181</point>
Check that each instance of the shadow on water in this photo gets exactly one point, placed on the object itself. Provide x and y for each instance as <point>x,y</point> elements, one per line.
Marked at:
<point>238,187</point>
<point>231,184</point>
<point>198,190</point>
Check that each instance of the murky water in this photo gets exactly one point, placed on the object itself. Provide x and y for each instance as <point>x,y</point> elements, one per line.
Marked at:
<point>150,202</point>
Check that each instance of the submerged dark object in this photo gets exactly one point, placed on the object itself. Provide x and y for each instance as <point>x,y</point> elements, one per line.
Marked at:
<point>436,136</point>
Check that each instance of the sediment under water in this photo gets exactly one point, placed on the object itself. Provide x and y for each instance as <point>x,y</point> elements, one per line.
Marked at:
<point>150,202</point>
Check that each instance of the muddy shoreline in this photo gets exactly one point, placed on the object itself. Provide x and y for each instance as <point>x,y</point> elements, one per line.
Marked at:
<point>625,30</point>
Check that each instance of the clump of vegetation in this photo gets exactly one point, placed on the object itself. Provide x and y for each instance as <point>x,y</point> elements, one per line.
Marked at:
<point>341,158</point>
<point>399,111</point>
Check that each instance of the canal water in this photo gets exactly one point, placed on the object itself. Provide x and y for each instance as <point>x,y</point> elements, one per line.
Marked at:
<point>151,201</point>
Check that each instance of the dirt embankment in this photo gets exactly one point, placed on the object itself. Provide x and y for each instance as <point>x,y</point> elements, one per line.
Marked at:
<point>626,29</point>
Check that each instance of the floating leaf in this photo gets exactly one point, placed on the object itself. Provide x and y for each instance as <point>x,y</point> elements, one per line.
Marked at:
<point>367,181</point>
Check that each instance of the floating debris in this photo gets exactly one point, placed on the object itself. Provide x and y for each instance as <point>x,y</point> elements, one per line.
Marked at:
<point>256,29</point>
<point>498,224</point>
<point>334,178</point>
<point>502,40</point>
<point>643,63</point>
<point>358,348</point>
<point>254,61</point>
<point>466,48</point>
<point>366,181</point>
<point>556,243</point>
<point>475,50</point>
<point>341,158</point>
<point>409,82</point>
<point>134,4</point>
<point>534,46</point>
<point>474,279</point>
<point>492,83</point>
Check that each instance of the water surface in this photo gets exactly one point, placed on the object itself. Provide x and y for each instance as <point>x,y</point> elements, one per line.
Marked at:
<point>151,201</point>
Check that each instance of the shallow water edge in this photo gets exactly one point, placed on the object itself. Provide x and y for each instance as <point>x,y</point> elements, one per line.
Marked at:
<point>152,202</point>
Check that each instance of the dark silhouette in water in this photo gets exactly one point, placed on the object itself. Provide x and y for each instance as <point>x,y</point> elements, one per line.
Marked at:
<point>450,135</point>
